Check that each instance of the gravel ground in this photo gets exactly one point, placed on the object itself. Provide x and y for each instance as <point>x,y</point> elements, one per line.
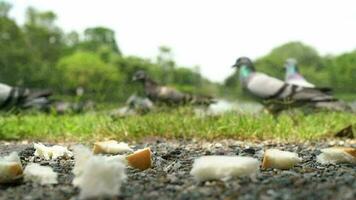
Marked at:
<point>170,178</point>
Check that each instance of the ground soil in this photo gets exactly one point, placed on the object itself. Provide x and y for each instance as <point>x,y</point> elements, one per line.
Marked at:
<point>170,177</point>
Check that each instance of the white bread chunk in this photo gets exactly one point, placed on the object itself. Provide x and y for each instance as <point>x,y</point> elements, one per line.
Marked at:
<point>336,155</point>
<point>81,157</point>
<point>10,168</point>
<point>51,153</point>
<point>111,147</point>
<point>222,167</point>
<point>82,154</point>
<point>98,176</point>
<point>120,158</point>
<point>274,158</point>
<point>40,174</point>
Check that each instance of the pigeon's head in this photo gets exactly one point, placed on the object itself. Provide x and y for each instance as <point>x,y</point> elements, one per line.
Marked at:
<point>291,62</point>
<point>139,76</point>
<point>244,61</point>
<point>291,66</point>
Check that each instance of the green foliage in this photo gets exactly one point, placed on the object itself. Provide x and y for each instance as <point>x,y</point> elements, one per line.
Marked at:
<point>45,40</point>
<point>99,37</point>
<point>87,70</point>
<point>39,54</point>
<point>15,56</point>
<point>4,9</point>
<point>343,72</point>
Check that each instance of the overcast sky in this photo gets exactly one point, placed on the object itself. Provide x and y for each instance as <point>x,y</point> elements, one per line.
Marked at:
<point>209,33</point>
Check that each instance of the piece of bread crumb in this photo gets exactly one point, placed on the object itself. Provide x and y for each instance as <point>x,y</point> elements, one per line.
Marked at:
<point>111,147</point>
<point>140,159</point>
<point>97,175</point>
<point>335,155</point>
<point>40,174</point>
<point>52,152</point>
<point>10,168</point>
<point>274,158</point>
<point>222,167</point>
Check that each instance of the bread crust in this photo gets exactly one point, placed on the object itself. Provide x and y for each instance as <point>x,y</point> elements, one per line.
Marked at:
<point>140,159</point>
<point>266,163</point>
<point>349,150</point>
<point>97,148</point>
<point>16,170</point>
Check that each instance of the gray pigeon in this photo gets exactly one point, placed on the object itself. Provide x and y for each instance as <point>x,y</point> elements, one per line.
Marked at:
<point>293,76</point>
<point>278,95</point>
<point>65,107</point>
<point>167,95</point>
<point>135,105</point>
<point>22,98</point>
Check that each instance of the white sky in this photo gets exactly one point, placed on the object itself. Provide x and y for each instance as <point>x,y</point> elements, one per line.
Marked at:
<point>209,33</point>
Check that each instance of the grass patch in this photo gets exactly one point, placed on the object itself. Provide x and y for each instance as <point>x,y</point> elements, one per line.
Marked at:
<point>177,124</point>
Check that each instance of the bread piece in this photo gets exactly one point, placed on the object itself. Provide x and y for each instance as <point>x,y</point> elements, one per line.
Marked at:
<point>140,159</point>
<point>222,167</point>
<point>52,152</point>
<point>40,174</point>
<point>10,168</point>
<point>100,177</point>
<point>335,155</point>
<point>111,147</point>
<point>274,158</point>
<point>81,156</point>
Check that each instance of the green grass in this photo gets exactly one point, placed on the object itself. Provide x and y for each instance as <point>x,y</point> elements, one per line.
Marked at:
<point>177,124</point>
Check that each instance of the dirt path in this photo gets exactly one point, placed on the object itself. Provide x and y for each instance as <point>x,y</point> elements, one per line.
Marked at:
<point>170,178</point>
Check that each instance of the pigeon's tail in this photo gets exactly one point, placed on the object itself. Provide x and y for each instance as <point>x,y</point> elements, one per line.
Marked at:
<point>321,99</point>
<point>311,95</point>
<point>39,94</point>
<point>309,98</point>
<point>199,100</point>
<point>325,90</point>
<point>24,98</point>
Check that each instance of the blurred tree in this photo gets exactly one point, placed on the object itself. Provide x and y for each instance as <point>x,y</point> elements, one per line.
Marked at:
<point>343,72</point>
<point>39,54</point>
<point>99,37</point>
<point>165,61</point>
<point>45,40</point>
<point>85,69</point>
<point>72,38</point>
<point>15,56</point>
<point>4,9</point>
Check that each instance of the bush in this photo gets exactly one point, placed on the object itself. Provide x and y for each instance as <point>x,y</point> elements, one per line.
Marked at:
<point>87,70</point>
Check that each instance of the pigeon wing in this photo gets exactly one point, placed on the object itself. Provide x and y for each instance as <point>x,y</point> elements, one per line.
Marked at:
<point>167,93</point>
<point>300,82</point>
<point>267,87</point>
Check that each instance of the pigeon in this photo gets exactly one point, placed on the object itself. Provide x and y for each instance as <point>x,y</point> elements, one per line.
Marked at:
<point>135,105</point>
<point>278,95</point>
<point>293,76</point>
<point>23,98</point>
<point>167,95</point>
<point>65,107</point>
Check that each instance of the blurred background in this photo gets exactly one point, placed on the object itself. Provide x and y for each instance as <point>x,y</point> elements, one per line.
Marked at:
<point>98,45</point>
